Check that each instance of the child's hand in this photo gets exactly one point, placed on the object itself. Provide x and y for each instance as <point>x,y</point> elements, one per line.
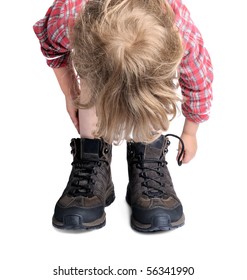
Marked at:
<point>73,112</point>
<point>190,147</point>
<point>189,138</point>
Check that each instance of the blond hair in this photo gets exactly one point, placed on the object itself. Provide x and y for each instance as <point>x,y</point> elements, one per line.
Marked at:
<point>128,52</point>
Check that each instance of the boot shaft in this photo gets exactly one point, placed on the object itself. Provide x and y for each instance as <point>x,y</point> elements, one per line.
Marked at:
<point>152,151</point>
<point>90,149</point>
<point>147,161</point>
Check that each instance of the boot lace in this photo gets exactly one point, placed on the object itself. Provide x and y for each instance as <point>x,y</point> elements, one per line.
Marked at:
<point>151,172</point>
<point>82,177</point>
<point>152,185</point>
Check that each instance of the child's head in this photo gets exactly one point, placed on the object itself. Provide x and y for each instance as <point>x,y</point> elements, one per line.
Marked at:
<point>128,52</point>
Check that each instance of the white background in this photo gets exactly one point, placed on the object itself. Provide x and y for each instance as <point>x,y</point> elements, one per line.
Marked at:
<point>35,164</point>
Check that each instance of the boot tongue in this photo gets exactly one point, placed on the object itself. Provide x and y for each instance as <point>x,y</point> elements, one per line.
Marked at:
<point>151,153</point>
<point>89,149</point>
<point>153,150</point>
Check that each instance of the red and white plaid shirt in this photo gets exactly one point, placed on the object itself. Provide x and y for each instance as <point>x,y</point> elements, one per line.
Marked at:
<point>195,69</point>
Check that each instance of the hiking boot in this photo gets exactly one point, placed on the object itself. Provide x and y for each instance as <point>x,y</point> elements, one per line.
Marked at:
<point>89,188</point>
<point>150,193</point>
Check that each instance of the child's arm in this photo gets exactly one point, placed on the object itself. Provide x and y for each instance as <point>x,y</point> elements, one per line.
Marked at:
<point>196,77</point>
<point>69,85</point>
<point>189,138</point>
<point>52,32</point>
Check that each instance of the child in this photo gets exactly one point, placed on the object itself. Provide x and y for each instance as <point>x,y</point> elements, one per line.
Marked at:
<point>127,55</point>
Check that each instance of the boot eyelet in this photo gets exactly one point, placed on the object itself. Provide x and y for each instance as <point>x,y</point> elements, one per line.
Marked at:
<point>139,157</point>
<point>106,151</point>
<point>95,172</point>
<point>131,153</point>
<point>141,174</point>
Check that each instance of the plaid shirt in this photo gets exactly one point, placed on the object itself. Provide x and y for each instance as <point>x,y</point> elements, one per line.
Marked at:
<point>195,69</point>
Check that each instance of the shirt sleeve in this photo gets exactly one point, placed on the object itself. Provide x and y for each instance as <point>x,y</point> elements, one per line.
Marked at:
<point>52,31</point>
<point>195,70</point>
<point>196,78</point>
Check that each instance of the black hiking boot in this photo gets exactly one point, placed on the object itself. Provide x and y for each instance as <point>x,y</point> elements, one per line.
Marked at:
<point>89,188</point>
<point>150,193</point>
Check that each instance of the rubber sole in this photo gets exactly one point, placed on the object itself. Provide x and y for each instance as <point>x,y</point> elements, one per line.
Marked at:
<point>75,221</point>
<point>158,223</point>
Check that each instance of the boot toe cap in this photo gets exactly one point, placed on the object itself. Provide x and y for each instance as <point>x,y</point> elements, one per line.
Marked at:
<point>78,217</point>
